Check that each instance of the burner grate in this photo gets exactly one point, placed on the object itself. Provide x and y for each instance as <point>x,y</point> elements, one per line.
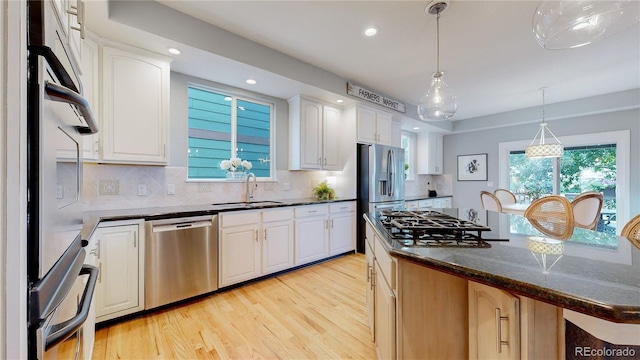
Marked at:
<point>427,228</point>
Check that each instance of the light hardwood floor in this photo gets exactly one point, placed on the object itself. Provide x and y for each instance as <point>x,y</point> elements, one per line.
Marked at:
<point>313,313</point>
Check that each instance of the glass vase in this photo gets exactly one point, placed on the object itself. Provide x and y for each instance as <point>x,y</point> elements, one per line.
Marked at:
<point>235,175</point>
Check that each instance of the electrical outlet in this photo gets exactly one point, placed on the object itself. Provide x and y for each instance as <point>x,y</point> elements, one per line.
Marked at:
<point>203,187</point>
<point>171,189</point>
<point>109,187</point>
<point>142,190</point>
<point>286,186</point>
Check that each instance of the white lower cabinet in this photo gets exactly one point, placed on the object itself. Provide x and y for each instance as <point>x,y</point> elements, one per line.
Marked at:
<point>342,229</point>
<point>311,233</point>
<point>239,247</point>
<point>120,259</point>
<point>277,240</point>
<point>254,243</point>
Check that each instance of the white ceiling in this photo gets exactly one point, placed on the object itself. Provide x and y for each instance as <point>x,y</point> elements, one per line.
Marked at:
<point>488,51</point>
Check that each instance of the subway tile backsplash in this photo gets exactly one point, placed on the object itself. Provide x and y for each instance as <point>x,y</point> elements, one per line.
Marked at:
<point>111,187</point>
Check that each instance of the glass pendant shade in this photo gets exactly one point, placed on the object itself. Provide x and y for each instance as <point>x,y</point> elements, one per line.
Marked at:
<point>439,102</point>
<point>571,24</point>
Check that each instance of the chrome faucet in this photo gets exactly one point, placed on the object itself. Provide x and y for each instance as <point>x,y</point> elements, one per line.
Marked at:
<point>249,192</point>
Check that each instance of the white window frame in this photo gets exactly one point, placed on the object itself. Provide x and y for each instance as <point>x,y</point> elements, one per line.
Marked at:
<point>411,175</point>
<point>623,154</point>
<point>234,134</point>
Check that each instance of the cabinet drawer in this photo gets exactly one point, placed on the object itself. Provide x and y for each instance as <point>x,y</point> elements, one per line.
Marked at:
<point>386,263</point>
<point>412,205</point>
<point>239,218</point>
<point>425,204</point>
<point>342,207</point>
<point>277,214</point>
<point>313,210</point>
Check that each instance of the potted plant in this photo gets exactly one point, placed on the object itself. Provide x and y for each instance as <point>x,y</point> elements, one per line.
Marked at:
<point>324,192</point>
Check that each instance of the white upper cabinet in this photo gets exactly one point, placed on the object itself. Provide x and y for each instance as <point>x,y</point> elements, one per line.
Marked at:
<point>75,32</point>
<point>429,154</point>
<point>135,106</point>
<point>374,126</point>
<point>314,135</point>
<point>91,92</point>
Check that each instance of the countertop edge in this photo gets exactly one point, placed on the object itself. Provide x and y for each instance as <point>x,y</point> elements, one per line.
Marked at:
<point>93,219</point>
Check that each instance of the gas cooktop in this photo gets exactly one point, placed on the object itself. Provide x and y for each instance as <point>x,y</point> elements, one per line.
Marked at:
<point>427,228</point>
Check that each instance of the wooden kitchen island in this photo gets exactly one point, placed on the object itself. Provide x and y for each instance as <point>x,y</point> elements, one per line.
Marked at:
<point>498,302</point>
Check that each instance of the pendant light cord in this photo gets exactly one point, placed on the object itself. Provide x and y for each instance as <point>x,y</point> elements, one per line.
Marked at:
<point>543,106</point>
<point>438,43</point>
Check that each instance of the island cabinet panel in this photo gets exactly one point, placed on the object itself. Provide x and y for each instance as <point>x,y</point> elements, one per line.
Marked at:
<point>432,314</point>
<point>384,317</point>
<point>528,329</point>
<point>370,296</point>
<point>494,323</point>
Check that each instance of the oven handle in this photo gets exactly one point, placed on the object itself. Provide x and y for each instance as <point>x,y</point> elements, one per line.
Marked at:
<point>60,332</point>
<point>64,94</point>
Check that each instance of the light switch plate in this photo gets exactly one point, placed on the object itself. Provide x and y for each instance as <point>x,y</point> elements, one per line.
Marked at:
<point>171,189</point>
<point>59,192</point>
<point>142,190</point>
<point>286,186</point>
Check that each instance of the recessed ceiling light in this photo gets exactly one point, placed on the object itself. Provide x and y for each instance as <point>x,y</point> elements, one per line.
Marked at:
<point>174,51</point>
<point>251,82</point>
<point>340,101</point>
<point>370,31</point>
<point>416,128</point>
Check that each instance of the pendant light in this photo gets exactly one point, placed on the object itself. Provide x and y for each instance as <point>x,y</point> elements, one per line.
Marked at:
<point>571,24</point>
<point>543,149</point>
<point>439,102</point>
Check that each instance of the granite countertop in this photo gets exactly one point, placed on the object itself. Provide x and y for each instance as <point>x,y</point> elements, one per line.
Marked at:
<point>93,218</point>
<point>596,274</point>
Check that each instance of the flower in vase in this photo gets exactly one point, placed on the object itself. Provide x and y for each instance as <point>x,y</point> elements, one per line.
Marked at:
<point>235,164</point>
<point>246,165</point>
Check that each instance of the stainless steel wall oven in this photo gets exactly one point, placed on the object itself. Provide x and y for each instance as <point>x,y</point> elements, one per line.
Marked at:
<point>60,286</point>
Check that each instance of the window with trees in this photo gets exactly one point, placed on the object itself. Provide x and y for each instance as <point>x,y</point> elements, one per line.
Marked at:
<point>580,169</point>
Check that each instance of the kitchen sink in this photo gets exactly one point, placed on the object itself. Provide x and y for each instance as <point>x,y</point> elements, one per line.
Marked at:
<point>245,205</point>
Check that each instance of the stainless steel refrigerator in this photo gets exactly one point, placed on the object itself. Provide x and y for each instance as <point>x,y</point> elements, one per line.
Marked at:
<point>380,182</point>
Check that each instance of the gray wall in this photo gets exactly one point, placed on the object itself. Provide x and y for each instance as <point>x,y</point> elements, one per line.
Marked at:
<point>466,193</point>
<point>179,120</point>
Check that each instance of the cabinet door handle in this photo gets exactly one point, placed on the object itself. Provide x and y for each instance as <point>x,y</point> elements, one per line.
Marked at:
<point>368,273</point>
<point>255,232</point>
<point>265,234</point>
<point>326,224</point>
<point>499,341</point>
<point>325,161</point>
<point>97,250</point>
<point>100,272</point>
<point>135,239</point>
<point>373,277</point>
<point>313,211</point>
<point>320,161</point>
<point>332,223</point>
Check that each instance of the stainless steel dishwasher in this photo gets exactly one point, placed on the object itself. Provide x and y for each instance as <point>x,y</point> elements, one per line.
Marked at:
<point>181,259</point>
